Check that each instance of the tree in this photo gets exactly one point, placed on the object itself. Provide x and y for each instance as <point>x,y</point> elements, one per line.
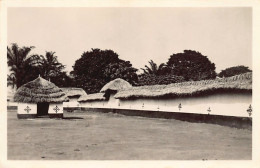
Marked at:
<point>50,67</point>
<point>153,69</point>
<point>62,80</point>
<point>25,67</point>
<point>97,67</point>
<point>236,70</point>
<point>121,69</point>
<point>191,65</point>
<point>11,80</point>
<point>157,75</point>
<point>22,65</point>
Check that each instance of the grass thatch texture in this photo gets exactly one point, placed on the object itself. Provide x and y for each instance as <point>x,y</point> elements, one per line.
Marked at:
<point>92,97</point>
<point>116,85</point>
<point>238,82</point>
<point>39,90</point>
<point>73,92</point>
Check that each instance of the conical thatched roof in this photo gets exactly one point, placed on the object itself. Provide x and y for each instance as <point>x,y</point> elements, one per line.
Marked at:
<point>39,90</point>
<point>238,83</point>
<point>116,85</point>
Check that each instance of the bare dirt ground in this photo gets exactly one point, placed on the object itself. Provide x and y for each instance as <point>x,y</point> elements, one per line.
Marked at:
<point>108,136</point>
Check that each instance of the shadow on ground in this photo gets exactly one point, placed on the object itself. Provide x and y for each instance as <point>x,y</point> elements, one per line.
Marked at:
<point>72,118</point>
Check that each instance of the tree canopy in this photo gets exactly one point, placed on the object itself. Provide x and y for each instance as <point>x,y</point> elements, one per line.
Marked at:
<point>191,65</point>
<point>97,67</point>
<point>236,70</point>
<point>157,75</point>
<point>25,67</point>
<point>154,69</point>
<point>50,67</point>
<point>21,64</point>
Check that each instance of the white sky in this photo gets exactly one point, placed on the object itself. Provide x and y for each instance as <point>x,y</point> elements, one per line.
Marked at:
<point>136,34</point>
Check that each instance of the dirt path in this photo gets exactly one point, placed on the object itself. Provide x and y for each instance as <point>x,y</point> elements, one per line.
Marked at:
<point>99,136</point>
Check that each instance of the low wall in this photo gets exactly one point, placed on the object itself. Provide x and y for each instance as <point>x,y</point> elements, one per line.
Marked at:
<point>27,109</point>
<point>26,116</point>
<point>94,104</point>
<point>12,107</point>
<point>55,108</point>
<point>231,121</point>
<point>225,104</point>
<point>228,104</point>
<point>71,109</point>
<point>73,102</point>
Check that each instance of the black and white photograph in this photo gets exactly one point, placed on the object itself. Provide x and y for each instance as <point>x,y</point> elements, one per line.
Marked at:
<point>129,83</point>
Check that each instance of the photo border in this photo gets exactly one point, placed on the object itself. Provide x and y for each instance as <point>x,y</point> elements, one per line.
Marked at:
<point>255,162</point>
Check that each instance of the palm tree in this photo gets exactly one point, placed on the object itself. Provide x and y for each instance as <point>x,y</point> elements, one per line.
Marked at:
<point>11,80</point>
<point>18,59</point>
<point>153,69</point>
<point>50,66</point>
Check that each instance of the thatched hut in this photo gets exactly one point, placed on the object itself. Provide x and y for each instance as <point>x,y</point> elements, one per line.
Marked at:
<point>97,100</point>
<point>226,96</point>
<point>40,98</point>
<point>73,94</point>
<point>111,88</point>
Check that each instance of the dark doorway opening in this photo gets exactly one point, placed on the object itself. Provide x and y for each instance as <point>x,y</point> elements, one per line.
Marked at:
<point>42,109</point>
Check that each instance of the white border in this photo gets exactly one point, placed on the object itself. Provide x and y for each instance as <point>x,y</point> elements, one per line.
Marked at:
<point>130,3</point>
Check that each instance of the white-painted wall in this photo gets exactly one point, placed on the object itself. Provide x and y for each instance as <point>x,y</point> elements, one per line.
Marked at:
<point>52,106</point>
<point>22,106</point>
<point>73,102</point>
<point>231,104</point>
<point>10,103</point>
<point>94,104</point>
<point>228,104</point>
<point>112,102</point>
<point>33,108</point>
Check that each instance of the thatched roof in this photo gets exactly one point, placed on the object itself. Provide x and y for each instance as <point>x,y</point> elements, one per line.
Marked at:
<point>116,85</point>
<point>73,92</point>
<point>92,97</point>
<point>241,82</point>
<point>39,90</point>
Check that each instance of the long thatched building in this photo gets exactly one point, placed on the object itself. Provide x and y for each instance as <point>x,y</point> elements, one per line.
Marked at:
<point>73,94</point>
<point>227,96</point>
<point>225,100</point>
<point>105,99</point>
<point>113,87</point>
<point>40,98</point>
<point>97,100</point>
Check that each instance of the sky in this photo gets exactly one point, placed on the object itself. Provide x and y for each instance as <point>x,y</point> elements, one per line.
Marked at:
<point>138,35</point>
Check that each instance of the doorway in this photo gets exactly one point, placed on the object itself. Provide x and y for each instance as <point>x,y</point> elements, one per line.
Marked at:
<point>42,109</point>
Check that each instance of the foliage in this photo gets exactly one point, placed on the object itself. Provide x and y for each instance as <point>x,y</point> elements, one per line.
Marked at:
<point>25,67</point>
<point>11,80</point>
<point>97,67</point>
<point>155,75</point>
<point>158,80</point>
<point>49,65</point>
<point>191,65</point>
<point>122,69</point>
<point>236,70</point>
<point>153,69</point>
<point>22,65</point>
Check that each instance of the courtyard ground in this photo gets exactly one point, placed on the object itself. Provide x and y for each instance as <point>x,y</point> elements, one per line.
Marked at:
<point>109,136</point>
